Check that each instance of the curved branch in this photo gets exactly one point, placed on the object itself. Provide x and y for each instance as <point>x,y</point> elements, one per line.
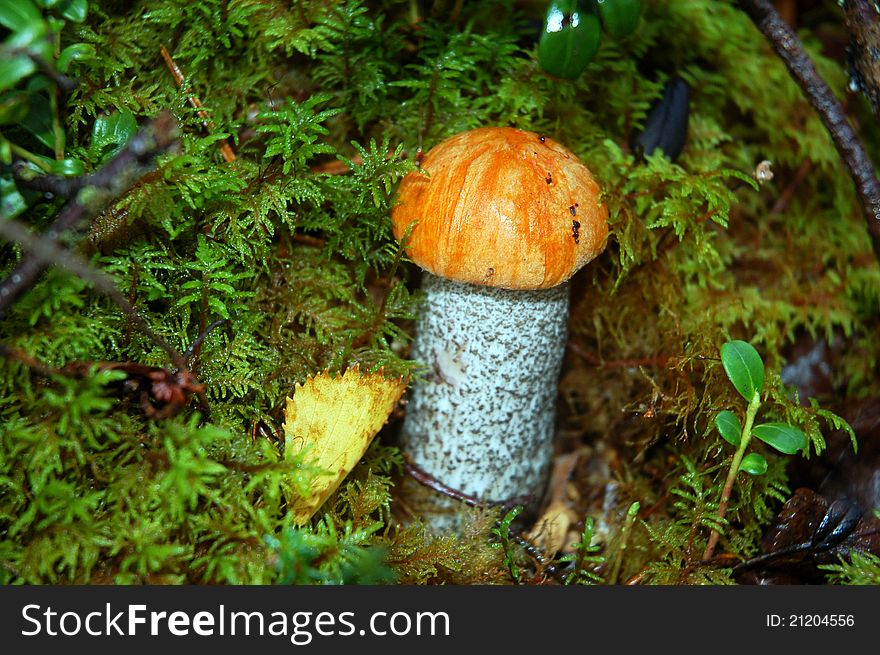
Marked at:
<point>817,91</point>
<point>104,185</point>
<point>863,24</point>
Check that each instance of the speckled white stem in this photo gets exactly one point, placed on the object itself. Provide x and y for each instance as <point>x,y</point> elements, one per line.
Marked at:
<point>482,422</point>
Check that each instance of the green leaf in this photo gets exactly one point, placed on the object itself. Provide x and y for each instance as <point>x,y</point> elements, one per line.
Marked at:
<point>18,15</point>
<point>13,108</point>
<point>620,17</point>
<point>783,437</point>
<point>75,10</point>
<point>744,368</point>
<point>753,464</point>
<point>74,52</point>
<point>113,130</point>
<point>12,203</point>
<point>570,38</point>
<point>39,119</point>
<point>67,167</point>
<point>729,427</point>
<point>14,69</point>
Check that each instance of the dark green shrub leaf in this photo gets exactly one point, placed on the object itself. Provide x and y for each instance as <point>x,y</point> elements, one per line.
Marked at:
<point>18,15</point>
<point>753,464</point>
<point>14,69</point>
<point>74,52</point>
<point>75,10</point>
<point>729,427</point>
<point>744,368</point>
<point>68,167</point>
<point>570,38</point>
<point>620,17</point>
<point>39,119</point>
<point>783,437</point>
<point>13,108</point>
<point>113,130</point>
<point>12,203</point>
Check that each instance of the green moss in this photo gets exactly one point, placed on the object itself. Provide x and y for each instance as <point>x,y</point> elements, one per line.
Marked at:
<point>303,265</point>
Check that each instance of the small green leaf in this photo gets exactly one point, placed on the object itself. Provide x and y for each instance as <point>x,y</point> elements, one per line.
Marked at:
<point>113,130</point>
<point>18,15</point>
<point>744,368</point>
<point>570,38</point>
<point>31,41</point>
<point>218,306</point>
<point>729,427</point>
<point>753,464</point>
<point>74,52</point>
<point>68,166</point>
<point>12,203</point>
<point>620,17</point>
<point>14,69</point>
<point>13,108</point>
<point>75,10</point>
<point>39,119</point>
<point>783,437</point>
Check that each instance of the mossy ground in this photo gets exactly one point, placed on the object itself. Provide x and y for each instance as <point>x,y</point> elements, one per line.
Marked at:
<point>303,265</point>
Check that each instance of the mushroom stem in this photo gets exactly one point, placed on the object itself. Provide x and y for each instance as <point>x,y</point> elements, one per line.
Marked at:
<point>481,420</point>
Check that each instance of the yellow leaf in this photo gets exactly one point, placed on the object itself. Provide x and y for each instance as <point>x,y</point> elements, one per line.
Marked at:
<point>334,419</point>
<point>551,530</point>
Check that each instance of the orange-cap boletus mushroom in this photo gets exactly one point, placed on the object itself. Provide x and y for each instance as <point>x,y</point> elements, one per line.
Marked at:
<point>499,219</point>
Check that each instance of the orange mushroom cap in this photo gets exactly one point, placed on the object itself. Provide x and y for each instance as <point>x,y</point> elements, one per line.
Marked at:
<point>501,207</point>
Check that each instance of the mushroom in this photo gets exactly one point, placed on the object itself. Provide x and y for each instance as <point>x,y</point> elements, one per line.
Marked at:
<point>502,220</point>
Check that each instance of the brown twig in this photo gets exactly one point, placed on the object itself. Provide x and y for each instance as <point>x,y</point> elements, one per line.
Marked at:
<point>592,358</point>
<point>817,91</point>
<point>225,149</point>
<point>426,479</point>
<point>863,24</point>
<point>65,84</point>
<point>104,185</point>
<point>37,367</point>
<point>788,192</point>
<point>45,251</point>
<point>337,167</point>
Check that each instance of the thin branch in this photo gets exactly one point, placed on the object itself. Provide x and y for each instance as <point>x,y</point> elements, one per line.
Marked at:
<point>817,91</point>
<point>225,149</point>
<point>196,346</point>
<point>62,186</point>
<point>426,479</point>
<point>94,195</point>
<point>862,20</point>
<point>65,84</point>
<point>47,252</point>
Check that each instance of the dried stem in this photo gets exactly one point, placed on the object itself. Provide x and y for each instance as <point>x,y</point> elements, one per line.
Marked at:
<point>817,91</point>
<point>45,251</point>
<point>94,193</point>
<point>426,479</point>
<point>225,149</point>
<point>862,20</point>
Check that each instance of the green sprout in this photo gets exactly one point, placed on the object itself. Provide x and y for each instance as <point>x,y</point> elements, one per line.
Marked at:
<point>503,532</point>
<point>584,558</point>
<point>745,369</point>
